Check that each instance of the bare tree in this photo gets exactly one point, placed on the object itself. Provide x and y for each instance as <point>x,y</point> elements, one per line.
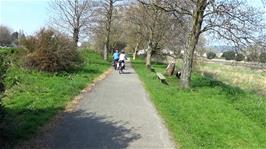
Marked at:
<point>153,25</point>
<point>254,50</point>
<point>232,20</point>
<point>73,16</point>
<point>134,29</point>
<point>107,12</point>
<point>147,23</point>
<point>106,35</point>
<point>263,2</point>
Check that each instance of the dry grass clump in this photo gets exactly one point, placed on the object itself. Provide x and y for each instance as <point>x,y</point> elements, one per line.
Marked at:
<point>246,78</point>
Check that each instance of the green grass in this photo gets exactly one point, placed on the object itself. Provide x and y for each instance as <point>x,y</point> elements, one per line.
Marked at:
<point>210,115</point>
<point>33,98</point>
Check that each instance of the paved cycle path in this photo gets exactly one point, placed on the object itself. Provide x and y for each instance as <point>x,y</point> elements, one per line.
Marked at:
<point>116,113</point>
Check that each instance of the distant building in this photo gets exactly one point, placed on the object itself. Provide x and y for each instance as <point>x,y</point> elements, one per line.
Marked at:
<point>167,51</point>
<point>142,52</point>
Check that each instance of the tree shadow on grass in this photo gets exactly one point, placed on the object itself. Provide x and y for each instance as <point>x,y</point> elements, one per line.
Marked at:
<point>209,81</point>
<point>20,124</point>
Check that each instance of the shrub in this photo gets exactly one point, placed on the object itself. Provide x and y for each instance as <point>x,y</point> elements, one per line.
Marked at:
<point>263,57</point>
<point>239,57</point>
<point>211,55</point>
<point>51,51</point>
<point>30,43</point>
<point>5,55</point>
<point>229,55</point>
<point>4,64</point>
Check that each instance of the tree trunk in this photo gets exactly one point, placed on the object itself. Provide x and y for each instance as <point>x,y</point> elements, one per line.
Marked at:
<point>186,68</point>
<point>76,36</point>
<point>192,42</point>
<point>134,55</point>
<point>105,52</point>
<point>107,43</point>
<point>135,51</point>
<point>106,47</point>
<point>148,57</point>
<point>108,29</point>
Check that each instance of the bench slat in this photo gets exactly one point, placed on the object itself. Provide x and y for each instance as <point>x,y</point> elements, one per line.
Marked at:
<point>161,77</point>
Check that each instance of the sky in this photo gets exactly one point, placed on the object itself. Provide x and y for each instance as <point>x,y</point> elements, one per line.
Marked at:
<point>26,15</point>
<point>31,15</point>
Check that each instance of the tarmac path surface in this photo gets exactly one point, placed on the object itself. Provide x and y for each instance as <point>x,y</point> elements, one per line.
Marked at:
<point>116,113</point>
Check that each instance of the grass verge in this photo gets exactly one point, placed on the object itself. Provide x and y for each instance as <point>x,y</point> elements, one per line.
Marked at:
<point>210,115</point>
<point>33,97</point>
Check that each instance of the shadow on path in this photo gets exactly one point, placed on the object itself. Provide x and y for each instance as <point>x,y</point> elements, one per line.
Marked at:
<point>128,72</point>
<point>86,130</point>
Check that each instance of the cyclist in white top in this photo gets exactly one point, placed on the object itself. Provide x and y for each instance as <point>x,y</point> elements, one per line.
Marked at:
<point>122,60</point>
<point>122,56</point>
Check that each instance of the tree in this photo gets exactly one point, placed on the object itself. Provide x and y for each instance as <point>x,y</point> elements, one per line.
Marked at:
<point>107,11</point>
<point>229,55</point>
<point>254,50</point>
<point>263,2</point>
<point>232,20</point>
<point>239,57</point>
<point>14,37</point>
<point>108,6</point>
<point>211,55</point>
<point>5,36</point>
<point>154,24</point>
<point>263,57</point>
<point>107,36</point>
<point>73,16</point>
<point>135,35</point>
<point>149,25</point>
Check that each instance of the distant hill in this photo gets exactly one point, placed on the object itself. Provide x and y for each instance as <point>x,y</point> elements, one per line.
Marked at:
<point>221,49</point>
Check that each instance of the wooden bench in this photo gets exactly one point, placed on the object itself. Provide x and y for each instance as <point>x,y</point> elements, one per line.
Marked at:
<point>161,77</point>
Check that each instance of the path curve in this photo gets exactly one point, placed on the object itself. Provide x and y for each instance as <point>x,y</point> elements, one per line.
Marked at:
<point>116,113</point>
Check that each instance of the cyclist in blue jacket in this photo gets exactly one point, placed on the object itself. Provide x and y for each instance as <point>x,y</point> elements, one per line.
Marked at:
<point>115,58</point>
